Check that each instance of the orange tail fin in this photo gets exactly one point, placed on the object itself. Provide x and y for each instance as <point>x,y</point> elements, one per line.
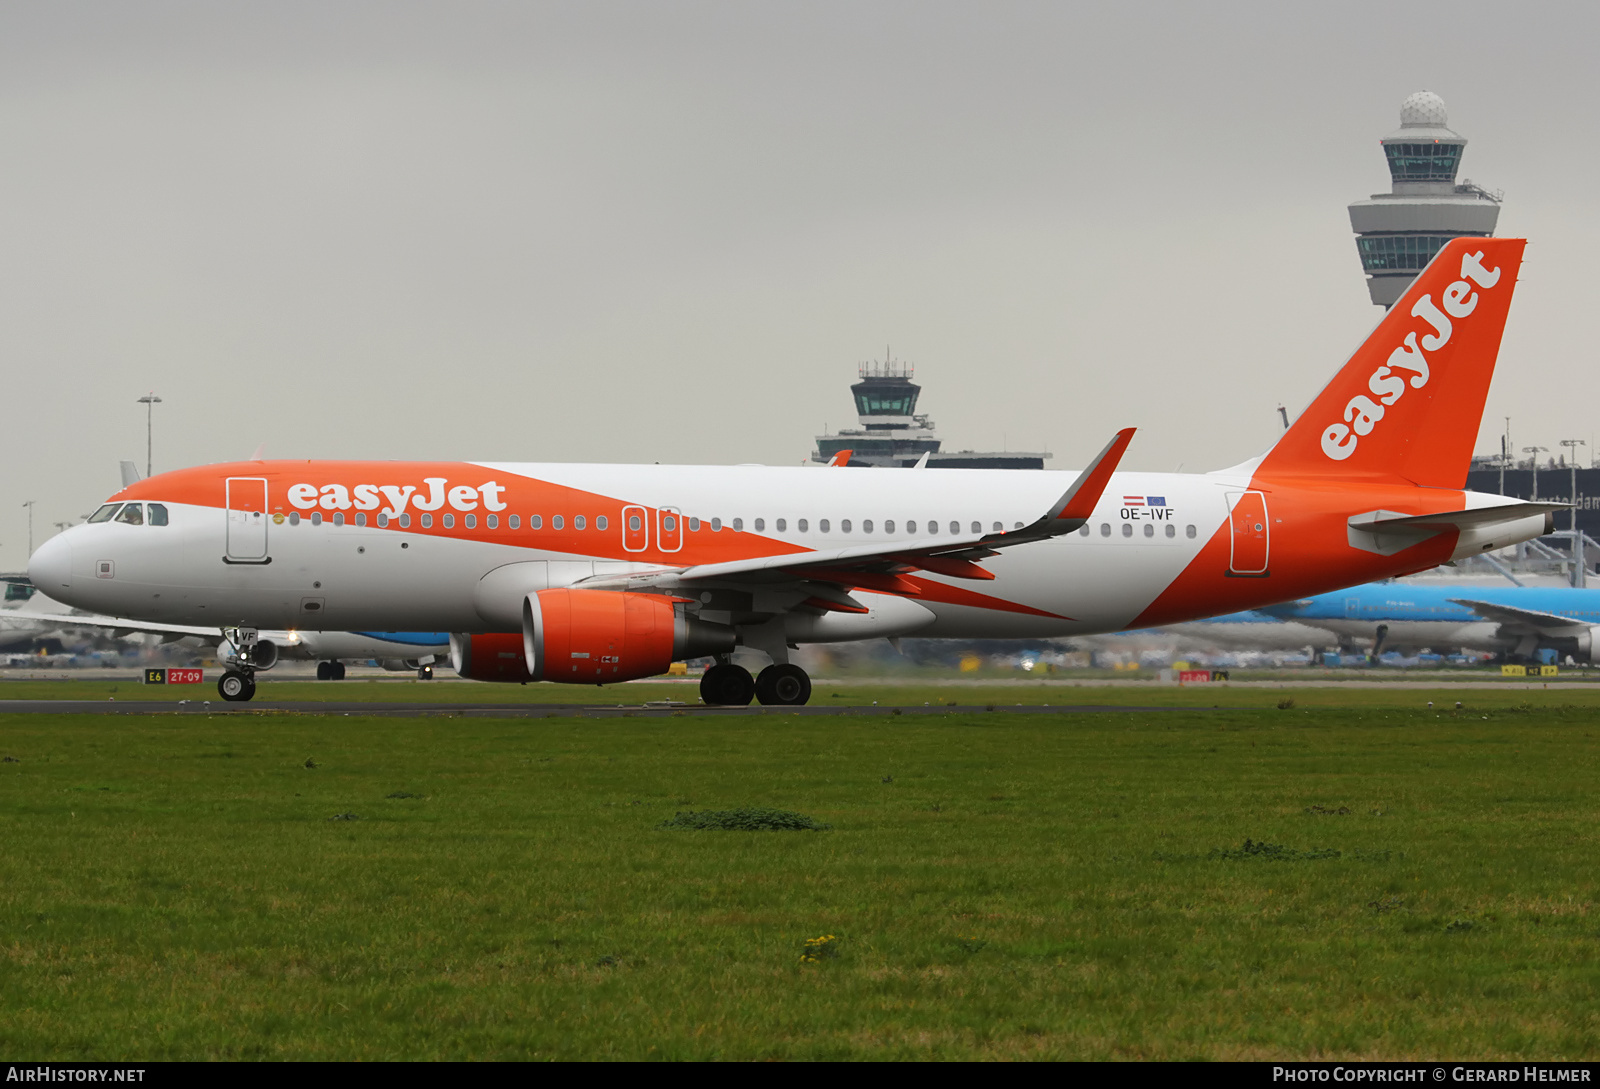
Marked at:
<point>1409,402</point>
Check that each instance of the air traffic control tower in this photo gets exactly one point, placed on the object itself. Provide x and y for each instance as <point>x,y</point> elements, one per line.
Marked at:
<point>1398,232</point>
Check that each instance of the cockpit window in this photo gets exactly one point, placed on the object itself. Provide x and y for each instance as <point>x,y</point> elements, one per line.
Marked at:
<point>157,513</point>
<point>104,513</point>
<point>132,514</point>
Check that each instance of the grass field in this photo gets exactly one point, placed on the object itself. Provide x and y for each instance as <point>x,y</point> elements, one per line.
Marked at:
<point>1006,886</point>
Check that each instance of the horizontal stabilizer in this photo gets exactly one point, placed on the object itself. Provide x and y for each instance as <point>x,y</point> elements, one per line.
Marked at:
<point>1480,529</point>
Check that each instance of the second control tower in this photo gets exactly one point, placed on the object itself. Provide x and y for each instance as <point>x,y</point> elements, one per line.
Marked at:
<point>1397,233</point>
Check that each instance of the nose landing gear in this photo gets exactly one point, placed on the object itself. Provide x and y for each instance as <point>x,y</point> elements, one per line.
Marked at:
<point>237,686</point>
<point>238,683</point>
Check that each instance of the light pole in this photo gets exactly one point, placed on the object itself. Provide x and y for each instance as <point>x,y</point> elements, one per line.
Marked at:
<point>149,401</point>
<point>1580,570</point>
<point>1535,451</point>
<point>29,504</point>
<point>1572,445</point>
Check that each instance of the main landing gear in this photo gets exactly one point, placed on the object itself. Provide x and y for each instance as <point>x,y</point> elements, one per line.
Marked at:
<point>728,685</point>
<point>330,671</point>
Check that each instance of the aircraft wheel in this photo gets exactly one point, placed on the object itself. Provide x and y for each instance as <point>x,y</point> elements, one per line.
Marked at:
<point>338,670</point>
<point>425,673</point>
<point>727,685</point>
<point>783,685</point>
<point>324,671</point>
<point>236,687</point>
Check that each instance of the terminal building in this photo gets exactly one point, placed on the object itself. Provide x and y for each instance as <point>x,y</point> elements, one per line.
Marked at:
<point>893,434</point>
<point>1398,232</point>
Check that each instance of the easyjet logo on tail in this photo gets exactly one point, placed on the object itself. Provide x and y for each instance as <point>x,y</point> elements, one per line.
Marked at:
<point>1409,362</point>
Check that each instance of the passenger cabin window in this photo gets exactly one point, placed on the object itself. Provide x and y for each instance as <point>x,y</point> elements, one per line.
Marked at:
<point>427,521</point>
<point>933,527</point>
<point>761,525</point>
<point>405,521</point>
<point>866,526</point>
<point>738,524</point>
<point>783,524</point>
<point>844,525</point>
<point>156,514</point>
<point>105,513</point>
<point>580,522</point>
<point>1149,530</point>
<point>1084,532</point>
<point>716,525</point>
<point>471,521</point>
<point>1105,529</point>
<point>888,526</point>
<point>822,524</point>
<point>514,521</point>
<point>557,522</point>
<point>449,521</point>
<point>338,519</point>
<point>1172,530</point>
<point>535,522</point>
<point>132,514</point>
<point>600,522</point>
<point>694,524</point>
<point>803,525</point>
<point>316,518</point>
<point>999,527</point>
<point>955,527</point>
<point>361,519</point>
<point>1127,529</point>
<point>977,527</point>
<point>1188,531</point>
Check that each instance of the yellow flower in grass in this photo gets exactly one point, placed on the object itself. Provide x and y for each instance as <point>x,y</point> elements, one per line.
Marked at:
<point>817,949</point>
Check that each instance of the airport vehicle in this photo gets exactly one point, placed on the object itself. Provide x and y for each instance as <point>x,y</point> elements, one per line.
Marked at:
<point>590,574</point>
<point>1519,621</point>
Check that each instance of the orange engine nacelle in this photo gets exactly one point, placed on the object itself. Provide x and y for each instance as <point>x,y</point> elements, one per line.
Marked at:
<point>496,656</point>
<point>602,636</point>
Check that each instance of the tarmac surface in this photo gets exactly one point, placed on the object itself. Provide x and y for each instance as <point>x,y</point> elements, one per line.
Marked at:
<point>519,710</point>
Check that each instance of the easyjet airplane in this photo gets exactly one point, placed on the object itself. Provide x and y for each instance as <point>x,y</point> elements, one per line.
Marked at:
<point>588,574</point>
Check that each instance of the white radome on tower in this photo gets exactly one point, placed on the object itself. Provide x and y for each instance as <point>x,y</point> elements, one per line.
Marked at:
<point>1424,108</point>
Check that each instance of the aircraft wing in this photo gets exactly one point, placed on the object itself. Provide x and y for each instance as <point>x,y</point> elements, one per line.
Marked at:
<point>117,625</point>
<point>1521,619</point>
<point>881,566</point>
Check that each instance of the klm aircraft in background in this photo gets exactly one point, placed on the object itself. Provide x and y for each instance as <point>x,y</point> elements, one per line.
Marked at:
<point>1519,621</point>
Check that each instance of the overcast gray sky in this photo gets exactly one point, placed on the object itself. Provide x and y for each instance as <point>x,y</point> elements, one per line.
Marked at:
<point>669,231</point>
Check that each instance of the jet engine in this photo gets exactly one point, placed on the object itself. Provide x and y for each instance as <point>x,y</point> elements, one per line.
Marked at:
<point>1584,646</point>
<point>600,636</point>
<point>494,656</point>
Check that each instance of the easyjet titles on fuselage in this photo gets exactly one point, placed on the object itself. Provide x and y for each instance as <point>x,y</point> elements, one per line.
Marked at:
<point>462,497</point>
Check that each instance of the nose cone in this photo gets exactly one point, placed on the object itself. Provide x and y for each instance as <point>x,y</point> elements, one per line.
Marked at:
<point>50,566</point>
